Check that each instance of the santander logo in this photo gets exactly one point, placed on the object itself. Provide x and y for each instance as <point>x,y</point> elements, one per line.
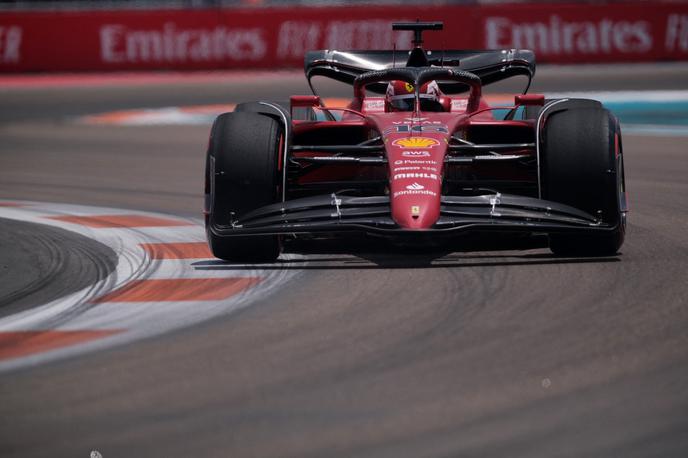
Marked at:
<point>415,187</point>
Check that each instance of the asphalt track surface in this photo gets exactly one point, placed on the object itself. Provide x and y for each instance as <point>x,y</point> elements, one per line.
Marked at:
<point>383,354</point>
<point>41,263</point>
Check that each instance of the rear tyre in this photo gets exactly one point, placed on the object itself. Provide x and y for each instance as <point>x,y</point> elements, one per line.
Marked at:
<point>581,165</point>
<point>241,176</point>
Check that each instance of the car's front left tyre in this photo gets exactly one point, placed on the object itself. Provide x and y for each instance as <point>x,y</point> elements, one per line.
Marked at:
<point>581,165</point>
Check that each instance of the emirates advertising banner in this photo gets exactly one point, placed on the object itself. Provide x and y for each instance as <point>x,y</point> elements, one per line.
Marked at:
<point>279,37</point>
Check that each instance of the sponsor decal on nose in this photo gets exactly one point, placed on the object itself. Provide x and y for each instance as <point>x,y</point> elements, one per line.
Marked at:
<point>429,176</point>
<point>416,142</point>
<point>414,162</point>
<point>401,169</point>
<point>415,153</point>
<point>415,187</point>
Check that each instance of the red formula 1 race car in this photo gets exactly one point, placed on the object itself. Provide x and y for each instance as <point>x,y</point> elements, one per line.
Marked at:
<point>417,156</point>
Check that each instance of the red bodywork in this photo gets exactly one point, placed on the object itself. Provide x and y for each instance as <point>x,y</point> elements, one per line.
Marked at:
<point>415,143</point>
<point>426,162</point>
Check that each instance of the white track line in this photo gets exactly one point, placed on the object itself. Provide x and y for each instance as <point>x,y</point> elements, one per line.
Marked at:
<point>139,320</point>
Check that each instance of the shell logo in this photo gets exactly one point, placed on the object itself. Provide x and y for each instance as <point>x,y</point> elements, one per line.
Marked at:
<point>416,142</point>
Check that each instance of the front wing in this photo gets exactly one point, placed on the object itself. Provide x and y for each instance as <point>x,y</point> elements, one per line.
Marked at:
<point>332,214</point>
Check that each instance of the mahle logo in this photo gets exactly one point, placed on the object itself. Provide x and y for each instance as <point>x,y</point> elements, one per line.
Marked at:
<point>429,176</point>
<point>416,142</point>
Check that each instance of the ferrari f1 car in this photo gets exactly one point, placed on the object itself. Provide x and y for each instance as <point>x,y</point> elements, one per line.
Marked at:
<point>417,155</point>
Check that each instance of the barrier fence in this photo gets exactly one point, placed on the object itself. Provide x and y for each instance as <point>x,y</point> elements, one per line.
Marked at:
<point>247,38</point>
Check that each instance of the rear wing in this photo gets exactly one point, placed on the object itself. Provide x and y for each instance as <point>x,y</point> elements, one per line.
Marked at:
<point>489,65</point>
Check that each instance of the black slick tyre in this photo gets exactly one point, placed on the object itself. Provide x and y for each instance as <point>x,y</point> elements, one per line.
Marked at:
<point>581,165</point>
<point>242,175</point>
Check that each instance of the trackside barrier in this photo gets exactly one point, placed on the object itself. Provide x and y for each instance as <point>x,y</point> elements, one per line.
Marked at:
<point>278,37</point>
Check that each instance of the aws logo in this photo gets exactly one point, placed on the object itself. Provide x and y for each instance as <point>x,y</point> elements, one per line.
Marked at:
<point>416,142</point>
<point>413,153</point>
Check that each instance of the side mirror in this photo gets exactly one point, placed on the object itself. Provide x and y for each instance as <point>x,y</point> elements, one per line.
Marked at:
<point>530,100</point>
<point>302,101</point>
<point>306,101</point>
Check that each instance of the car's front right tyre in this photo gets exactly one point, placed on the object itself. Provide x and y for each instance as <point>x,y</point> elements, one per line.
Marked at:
<point>242,175</point>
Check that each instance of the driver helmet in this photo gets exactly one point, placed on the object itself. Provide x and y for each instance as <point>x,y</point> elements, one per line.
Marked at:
<point>400,95</point>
